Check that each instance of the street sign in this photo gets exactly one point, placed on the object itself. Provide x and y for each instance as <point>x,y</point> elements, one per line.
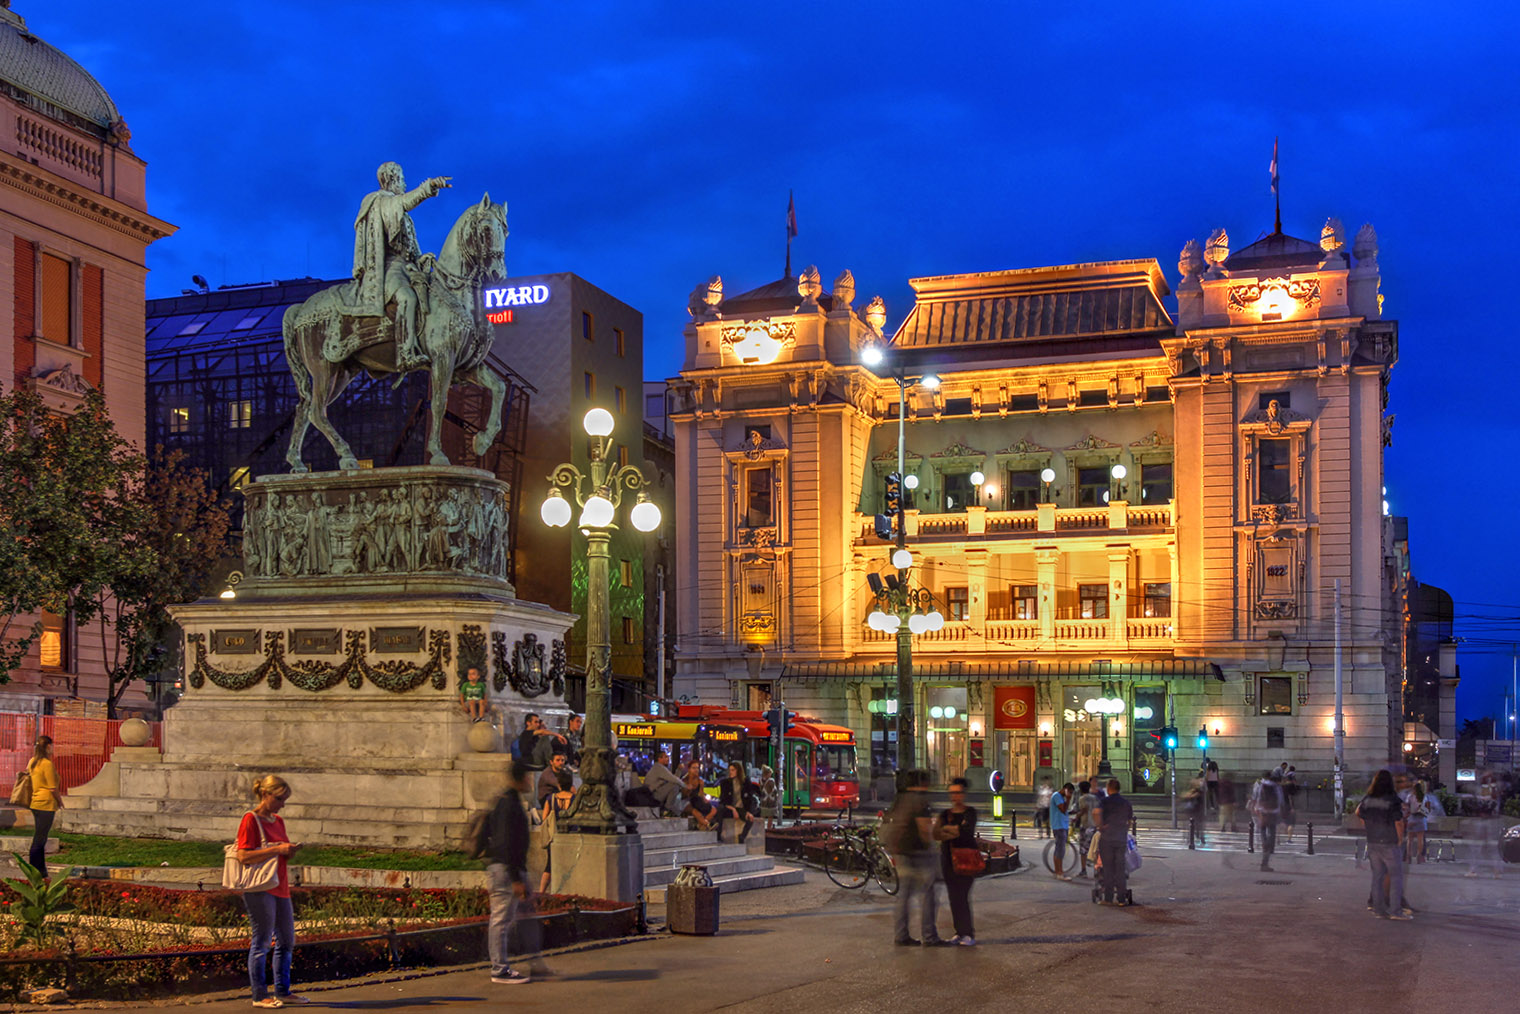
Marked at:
<point>1497,753</point>
<point>1467,775</point>
<point>1446,744</point>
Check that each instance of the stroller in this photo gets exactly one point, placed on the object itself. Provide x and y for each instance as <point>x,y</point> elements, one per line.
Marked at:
<point>1132,862</point>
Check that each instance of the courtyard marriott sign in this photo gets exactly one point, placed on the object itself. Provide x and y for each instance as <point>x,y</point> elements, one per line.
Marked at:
<point>499,299</point>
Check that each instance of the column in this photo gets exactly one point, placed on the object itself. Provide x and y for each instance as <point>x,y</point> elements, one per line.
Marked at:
<point>976,593</point>
<point>1118,591</point>
<point>1046,559</point>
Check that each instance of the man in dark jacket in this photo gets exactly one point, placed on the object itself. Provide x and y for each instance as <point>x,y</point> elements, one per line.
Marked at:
<point>507,846</point>
<point>1113,820</point>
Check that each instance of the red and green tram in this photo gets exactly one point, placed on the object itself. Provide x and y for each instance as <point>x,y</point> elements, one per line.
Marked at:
<point>819,772</point>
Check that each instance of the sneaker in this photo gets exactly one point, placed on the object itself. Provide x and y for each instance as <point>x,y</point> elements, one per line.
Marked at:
<point>966,941</point>
<point>909,942</point>
<point>295,999</point>
<point>512,978</point>
<point>956,939</point>
<point>271,1002</point>
<point>1401,917</point>
<point>938,942</point>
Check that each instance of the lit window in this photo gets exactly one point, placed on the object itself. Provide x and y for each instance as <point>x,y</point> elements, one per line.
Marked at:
<point>1156,482</point>
<point>53,643</point>
<point>1276,696</point>
<point>1092,486</point>
<point>179,419</point>
<point>1158,599</point>
<point>1093,601</point>
<point>366,462</point>
<point>194,327</point>
<point>958,601</point>
<point>630,632</point>
<point>1273,481</point>
<point>1023,489</point>
<point>588,330</point>
<point>959,491</point>
<point>240,414</point>
<point>621,340</point>
<point>238,477</point>
<point>590,385</point>
<point>57,311</point>
<point>1025,602</point>
<point>627,568</point>
<point>620,400</point>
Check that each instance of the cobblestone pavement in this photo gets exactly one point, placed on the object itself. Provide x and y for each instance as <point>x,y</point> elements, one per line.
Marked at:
<point>1210,931</point>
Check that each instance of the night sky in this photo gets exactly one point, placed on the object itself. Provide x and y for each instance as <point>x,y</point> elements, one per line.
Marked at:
<point>647,146</point>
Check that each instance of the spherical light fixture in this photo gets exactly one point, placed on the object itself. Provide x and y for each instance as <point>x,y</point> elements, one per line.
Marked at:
<point>910,481</point>
<point>949,711</point>
<point>1047,475</point>
<point>977,478</point>
<point>645,515</point>
<point>877,620</point>
<point>936,712</point>
<point>555,510</point>
<point>936,620</point>
<point>1118,471</point>
<point>918,623</point>
<point>596,512</point>
<point>893,622</point>
<point>902,559</point>
<point>598,422</point>
<point>871,355</point>
<point>929,382</point>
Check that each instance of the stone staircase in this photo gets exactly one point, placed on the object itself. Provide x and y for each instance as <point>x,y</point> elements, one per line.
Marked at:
<point>669,845</point>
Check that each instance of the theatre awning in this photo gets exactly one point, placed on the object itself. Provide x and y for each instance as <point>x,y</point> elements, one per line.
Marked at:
<point>1182,668</point>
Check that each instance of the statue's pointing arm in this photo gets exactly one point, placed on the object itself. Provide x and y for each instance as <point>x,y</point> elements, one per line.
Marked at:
<point>428,188</point>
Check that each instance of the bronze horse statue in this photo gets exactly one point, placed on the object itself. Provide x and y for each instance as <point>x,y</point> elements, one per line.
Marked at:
<point>327,345</point>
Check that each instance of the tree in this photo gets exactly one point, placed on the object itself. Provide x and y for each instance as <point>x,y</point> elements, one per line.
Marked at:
<point>64,510</point>
<point>172,555</point>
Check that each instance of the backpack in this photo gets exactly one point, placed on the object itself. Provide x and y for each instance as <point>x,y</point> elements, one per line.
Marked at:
<point>900,833</point>
<point>477,835</point>
<point>516,751</point>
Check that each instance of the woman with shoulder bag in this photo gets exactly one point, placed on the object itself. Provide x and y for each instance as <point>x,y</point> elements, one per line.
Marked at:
<point>960,859</point>
<point>261,839</point>
<point>45,803</point>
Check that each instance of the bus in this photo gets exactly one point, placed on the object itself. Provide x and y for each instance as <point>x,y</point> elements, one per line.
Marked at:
<point>820,758</point>
<point>712,745</point>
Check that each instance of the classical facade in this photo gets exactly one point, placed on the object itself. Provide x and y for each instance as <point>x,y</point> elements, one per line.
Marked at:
<point>1132,509</point>
<point>74,230</point>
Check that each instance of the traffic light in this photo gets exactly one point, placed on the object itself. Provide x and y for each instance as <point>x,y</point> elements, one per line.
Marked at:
<point>884,527</point>
<point>1169,737</point>
<point>1203,739</point>
<point>893,501</point>
<point>779,721</point>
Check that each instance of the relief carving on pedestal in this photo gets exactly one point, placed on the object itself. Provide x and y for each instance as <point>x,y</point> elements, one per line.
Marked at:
<point>394,676</point>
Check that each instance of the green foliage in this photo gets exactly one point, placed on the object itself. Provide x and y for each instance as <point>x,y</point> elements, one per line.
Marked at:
<point>103,850</point>
<point>1450,802</point>
<point>38,901</point>
<point>1512,806</point>
<point>63,513</point>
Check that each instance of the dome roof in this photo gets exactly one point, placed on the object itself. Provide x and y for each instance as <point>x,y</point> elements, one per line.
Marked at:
<point>45,78</point>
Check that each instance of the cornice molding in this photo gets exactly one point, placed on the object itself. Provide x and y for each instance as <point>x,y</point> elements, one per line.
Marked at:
<point>102,211</point>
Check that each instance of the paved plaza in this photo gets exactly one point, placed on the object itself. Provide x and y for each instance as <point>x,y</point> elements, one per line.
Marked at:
<point>1210,932</point>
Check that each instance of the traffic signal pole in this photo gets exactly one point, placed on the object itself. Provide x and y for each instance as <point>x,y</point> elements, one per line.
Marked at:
<point>907,734</point>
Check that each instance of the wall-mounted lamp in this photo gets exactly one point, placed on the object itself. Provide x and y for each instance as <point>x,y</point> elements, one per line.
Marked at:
<point>1044,728</point>
<point>1047,476</point>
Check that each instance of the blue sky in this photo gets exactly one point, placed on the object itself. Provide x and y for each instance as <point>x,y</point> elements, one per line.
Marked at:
<point>647,146</point>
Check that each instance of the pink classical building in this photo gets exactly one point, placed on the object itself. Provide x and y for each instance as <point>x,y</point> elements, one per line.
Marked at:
<point>74,229</point>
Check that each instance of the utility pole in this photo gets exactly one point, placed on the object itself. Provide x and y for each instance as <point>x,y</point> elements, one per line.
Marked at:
<point>1340,716</point>
<point>907,734</point>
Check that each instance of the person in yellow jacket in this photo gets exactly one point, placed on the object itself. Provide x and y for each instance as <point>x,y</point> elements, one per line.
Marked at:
<point>47,800</point>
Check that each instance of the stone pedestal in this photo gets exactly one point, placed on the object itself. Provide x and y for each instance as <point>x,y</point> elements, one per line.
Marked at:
<point>342,677</point>
<point>597,865</point>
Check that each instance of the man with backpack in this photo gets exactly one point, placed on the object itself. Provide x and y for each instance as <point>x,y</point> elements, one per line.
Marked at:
<point>505,847</point>
<point>910,838</point>
<point>1266,809</point>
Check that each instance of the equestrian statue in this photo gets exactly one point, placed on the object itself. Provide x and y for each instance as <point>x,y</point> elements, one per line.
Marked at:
<point>404,310</point>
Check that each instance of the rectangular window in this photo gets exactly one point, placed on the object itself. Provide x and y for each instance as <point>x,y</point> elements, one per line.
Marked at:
<point>654,406</point>
<point>627,569</point>
<point>958,601</point>
<point>1093,600</point>
<point>1156,482</point>
<point>238,477</point>
<point>588,330</point>
<point>621,340</point>
<point>620,400</point>
<point>1273,480</point>
<point>57,314</point>
<point>179,419</point>
<point>959,492</point>
<point>590,385</point>
<point>759,508</point>
<point>630,633</point>
<point>54,642</point>
<point>366,462</point>
<point>1283,399</point>
<point>1276,696</point>
<point>1275,738</point>
<point>1023,489</point>
<point>240,414</point>
<point>957,406</point>
<point>1092,487</point>
<point>1026,602</point>
<point>1158,600</point>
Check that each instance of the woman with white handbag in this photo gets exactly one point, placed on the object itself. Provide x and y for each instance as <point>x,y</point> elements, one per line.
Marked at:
<point>256,865</point>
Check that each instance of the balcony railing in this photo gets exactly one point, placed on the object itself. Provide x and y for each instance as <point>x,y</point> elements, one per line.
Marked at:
<point>1022,635</point>
<point>979,522</point>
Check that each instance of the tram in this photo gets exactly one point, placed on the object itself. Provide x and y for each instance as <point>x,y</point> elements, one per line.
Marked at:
<point>820,768</point>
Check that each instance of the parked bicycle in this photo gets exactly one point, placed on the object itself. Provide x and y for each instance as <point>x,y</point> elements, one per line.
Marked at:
<point>1070,857</point>
<point>852,855</point>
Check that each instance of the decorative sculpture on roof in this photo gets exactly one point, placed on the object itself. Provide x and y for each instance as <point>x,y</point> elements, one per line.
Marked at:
<point>1217,251</point>
<point>844,290</point>
<point>403,311</point>
<point>705,298</point>
<point>1190,261</point>
<point>1366,246</point>
<point>1333,236</point>
<point>810,285</point>
<point>876,314</point>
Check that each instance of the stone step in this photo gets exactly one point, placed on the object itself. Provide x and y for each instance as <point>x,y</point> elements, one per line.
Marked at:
<point>706,852</point>
<point>715,869</point>
<point>729,883</point>
<point>676,839</point>
<point>665,825</point>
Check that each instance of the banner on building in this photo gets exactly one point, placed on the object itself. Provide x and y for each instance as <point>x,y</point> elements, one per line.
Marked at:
<point>1014,708</point>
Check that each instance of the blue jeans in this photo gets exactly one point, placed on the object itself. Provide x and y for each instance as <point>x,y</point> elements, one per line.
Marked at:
<point>272,919</point>
<point>916,874</point>
<point>1386,862</point>
<point>504,909</point>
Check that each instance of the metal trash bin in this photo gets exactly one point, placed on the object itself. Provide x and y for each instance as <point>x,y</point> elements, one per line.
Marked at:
<point>691,903</point>
<point>1509,845</point>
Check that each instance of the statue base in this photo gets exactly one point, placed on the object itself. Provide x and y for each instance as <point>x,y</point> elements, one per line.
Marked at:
<point>597,865</point>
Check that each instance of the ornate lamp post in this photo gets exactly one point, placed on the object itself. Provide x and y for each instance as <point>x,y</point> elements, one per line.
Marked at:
<point>596,809</point>
<point>907,729</point>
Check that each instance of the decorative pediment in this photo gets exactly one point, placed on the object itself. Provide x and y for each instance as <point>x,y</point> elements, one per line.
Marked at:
<point>889,457</point>
<point>756,447</point>
<point>1275,419</point>
<point>62,389</point>
<point>1024,445</point>
<point>759,341</point>
<point>1155,438</point>
<point>959,450</point>
<point>1270,295</point>
<point>1091,443</point>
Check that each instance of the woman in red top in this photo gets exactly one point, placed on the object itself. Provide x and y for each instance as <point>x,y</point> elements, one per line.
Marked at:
<point>260,836</point>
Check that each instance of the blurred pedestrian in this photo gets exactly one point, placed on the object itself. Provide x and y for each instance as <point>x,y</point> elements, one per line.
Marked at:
<point>1211,784</point>
<point>956,831</point>
<point>507,873</point>
<point>1266,810</point>
<point>910,839</point>
<point>1416,821</point>
<point>1383,813</point>
<point>261,837</point>
<point>1113,819</point>
<point>1226,804</point>
<point>1289,786</point>
<point>46,801</point>
<point>1082,824</point>
<point>1042,796</point>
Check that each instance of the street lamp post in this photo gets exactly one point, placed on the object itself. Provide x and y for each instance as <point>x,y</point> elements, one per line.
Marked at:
<point>596,808</point>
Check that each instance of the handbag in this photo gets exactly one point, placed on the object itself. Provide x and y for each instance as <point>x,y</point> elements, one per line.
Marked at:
<point>238,876</point>
<point>968,862</point>
<point>21,794</point>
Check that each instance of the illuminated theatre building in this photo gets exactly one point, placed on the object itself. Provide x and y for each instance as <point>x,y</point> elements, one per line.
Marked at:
<point>1128,515</point>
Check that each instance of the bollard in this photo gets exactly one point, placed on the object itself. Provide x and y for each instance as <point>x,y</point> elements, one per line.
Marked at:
<point>1251,836</point>
<point>1311,839</point>
<point>1134,830</point>
<point>1192,829</point>
<point>1013,825</point>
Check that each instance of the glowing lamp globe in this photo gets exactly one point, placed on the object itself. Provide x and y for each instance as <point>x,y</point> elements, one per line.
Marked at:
<point>1047,475</point>
<point>556,510</point>
<point>929,382</point>
<point>1118,471</point>
<point>977,478</point>
<point>910,481</point>
<point>877,620</point>
<point>598,422</point>
<point>936,620</point>
<point>893,622</point>
<point>902,559</point>
<point>871,355</point>
<point>918,623</point>
<point>645,516</point>
<point>597,512</point>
